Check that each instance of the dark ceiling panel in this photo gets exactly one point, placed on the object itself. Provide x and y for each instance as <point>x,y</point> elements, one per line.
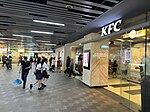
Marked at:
<point>38,1</point>
<point>16,17</point>
<point>124,10</point>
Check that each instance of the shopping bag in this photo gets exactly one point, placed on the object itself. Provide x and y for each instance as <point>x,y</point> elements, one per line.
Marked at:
<point>17,81</point>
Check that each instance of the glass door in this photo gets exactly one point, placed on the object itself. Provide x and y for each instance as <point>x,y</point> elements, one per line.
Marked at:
<point>132,62</point>
<point>125,62</point>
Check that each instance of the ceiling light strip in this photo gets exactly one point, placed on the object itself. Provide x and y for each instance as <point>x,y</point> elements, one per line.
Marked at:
<point>40,51</point>
<point>51,44</point>
<point>7,39</point>
<point>33,31</point>
<point>46,22</point>
<point>16,35</point>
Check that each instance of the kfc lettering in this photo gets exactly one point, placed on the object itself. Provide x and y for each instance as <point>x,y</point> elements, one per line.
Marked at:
<point>111,27</point>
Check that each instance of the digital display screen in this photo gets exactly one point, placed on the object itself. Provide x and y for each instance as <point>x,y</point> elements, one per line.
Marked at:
<point>86,59</point>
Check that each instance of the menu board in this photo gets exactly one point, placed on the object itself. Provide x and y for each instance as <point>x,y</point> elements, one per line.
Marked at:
<point>86,59</point>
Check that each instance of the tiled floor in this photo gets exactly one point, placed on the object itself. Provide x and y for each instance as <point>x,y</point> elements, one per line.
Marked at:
<point>126,92</point>
<point>63,94</point>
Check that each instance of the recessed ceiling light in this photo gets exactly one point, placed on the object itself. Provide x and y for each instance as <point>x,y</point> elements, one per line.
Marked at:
<point>46,22</point>
<point>33,31</point>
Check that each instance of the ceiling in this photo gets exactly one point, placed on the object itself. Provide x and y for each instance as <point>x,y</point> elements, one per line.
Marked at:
<point>16,17</point>
<point>126,9</point>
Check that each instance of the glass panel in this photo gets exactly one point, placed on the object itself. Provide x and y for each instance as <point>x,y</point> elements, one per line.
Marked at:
<point>125,73</point>
<point>145,77</point>
<point>132,67</point>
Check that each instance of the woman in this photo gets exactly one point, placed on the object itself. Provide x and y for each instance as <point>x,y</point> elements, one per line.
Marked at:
<point>38,74</point>
<point>53,64</point>
<point>45,74</point>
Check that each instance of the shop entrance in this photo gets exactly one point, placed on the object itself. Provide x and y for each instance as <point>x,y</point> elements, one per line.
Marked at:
<point>126,63</point>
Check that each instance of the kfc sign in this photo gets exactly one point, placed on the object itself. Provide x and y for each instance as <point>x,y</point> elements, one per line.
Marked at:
<point>113,27</point>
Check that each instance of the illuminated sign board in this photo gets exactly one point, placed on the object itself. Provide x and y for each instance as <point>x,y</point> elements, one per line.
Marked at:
<point>86,59</point>
<point>135,34</point>
<point>113,27</point>
<point>104,47</point>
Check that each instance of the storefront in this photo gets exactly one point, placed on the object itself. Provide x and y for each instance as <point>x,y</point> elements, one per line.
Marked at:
<point>127,42</point>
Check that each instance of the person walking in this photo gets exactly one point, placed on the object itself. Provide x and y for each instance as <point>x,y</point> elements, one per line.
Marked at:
<point>45,74</point>
<point>9,62</point>
<point>114,68</point>
<point>24,70</point>
<point>67,65</point>
<point>50,61</point>
<point>59,64</point>
<point>53,64</point>
<point>3,60</point>
<point>38,74</point>
<point>71,67</point>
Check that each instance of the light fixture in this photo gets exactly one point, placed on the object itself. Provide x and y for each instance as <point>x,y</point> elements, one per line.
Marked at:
<point>40,51</point>
<point>46,22</point>
<point>132,34</point>
<point>51,44</point>
<point>121,40</point>
<point>104,46</point>
<point>16,35</point>
<point>33,31</point>
<point>8,39</point>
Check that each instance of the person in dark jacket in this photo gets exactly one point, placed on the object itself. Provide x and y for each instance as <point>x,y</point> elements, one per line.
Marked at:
<point>25,67</point>
<point>67,65</point>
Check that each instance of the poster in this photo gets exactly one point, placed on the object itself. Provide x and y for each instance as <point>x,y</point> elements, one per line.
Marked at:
<point>86,60</point>
<point>128,56</point>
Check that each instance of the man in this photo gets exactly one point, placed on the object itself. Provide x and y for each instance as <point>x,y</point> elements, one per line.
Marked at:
<point>67,64</point>
<point>25,67</point>
<point>71,68</point>
<point>4,60</point>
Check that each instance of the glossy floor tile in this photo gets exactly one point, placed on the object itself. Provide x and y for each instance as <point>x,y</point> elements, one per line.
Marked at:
<point>62,94</point>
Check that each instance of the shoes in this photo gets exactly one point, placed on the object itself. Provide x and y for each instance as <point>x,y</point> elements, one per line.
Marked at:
<point>40,88</point>
<point>31,86</point>
<point>23,87</point>
<point>43,85</point>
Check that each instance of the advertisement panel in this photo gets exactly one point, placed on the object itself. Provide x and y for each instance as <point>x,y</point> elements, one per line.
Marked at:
<point>86,59</point>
